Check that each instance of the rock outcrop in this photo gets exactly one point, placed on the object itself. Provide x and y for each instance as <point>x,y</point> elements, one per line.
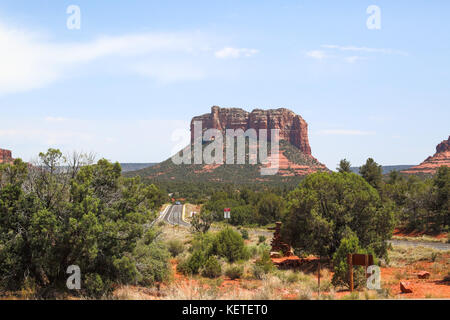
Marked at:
<point>405,287</point>
<point>292,127</point>
<point>6,156</point>
<point>431,164</point>
<point>292,160</point>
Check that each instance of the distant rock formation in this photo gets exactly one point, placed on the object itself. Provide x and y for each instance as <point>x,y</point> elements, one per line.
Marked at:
<point>292,127</point>
<point>6,156</point>
<point>431,164</point>
<point>293,159</point>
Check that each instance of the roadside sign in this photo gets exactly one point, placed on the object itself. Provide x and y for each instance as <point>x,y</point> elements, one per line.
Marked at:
<point>356,259</point>
<point>227,213</point>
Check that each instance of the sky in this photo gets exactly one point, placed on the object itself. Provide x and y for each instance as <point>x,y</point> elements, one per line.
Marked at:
<point>127,82</point>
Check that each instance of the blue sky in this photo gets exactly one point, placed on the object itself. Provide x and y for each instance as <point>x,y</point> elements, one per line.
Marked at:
<point>128,82</point>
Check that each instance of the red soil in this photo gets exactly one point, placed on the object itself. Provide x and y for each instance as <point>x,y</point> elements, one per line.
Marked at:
<point>434,287</point>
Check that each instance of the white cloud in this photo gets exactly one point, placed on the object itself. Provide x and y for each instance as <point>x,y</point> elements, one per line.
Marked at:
<point>317,54</point>
<point>234,53</point>
<point>364,49</point>
<point>28,61</point>
<point>345,132</point>
<point>360,53</point>
<point>353,59</point>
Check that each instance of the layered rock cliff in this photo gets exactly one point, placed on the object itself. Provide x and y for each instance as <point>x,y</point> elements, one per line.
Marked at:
<point>6,156</point>
<point>431,164</point>
<point>292,127</point>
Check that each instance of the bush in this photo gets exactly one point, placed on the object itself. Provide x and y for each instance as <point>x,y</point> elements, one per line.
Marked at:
<point>93,285</point>
<point>263,265</point>
<point>175,247</point>
<point>349,244</point>
<point>54,214</point>
<point>261,239</point>
<point>234,272</point>
<point>269,208</point>
<point>193,264</point>
<point>252,251</point>
<point>244,234</point>
<point>152,263</point>
<point>230,245</point>
<point>212,268</point>
<point>243,215</point>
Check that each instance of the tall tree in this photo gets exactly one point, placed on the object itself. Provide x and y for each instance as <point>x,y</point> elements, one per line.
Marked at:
<point>328,207</point>
<point>57,215</point>
<point>344,166</point>
<point>372,173</point>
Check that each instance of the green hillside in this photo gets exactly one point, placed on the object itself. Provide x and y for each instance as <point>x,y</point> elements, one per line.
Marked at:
<point>237,173</point>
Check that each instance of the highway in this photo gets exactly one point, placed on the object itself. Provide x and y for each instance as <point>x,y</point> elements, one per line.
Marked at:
<point>173,216</point>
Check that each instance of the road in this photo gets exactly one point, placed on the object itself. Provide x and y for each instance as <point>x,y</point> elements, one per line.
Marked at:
<point>434,245</point>
<point>173,216</point>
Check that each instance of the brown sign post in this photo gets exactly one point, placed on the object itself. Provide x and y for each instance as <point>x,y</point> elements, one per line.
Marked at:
<point>357,259</point>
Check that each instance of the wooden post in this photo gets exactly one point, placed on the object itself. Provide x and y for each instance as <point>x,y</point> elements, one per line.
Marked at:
<point>350,270</point>
<point>318,280</point>
<point>366,264</point>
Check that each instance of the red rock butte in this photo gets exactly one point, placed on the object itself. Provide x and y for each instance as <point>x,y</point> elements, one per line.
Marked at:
<point>6,156</point>
<point>431,164</point>
<point>292,127</point>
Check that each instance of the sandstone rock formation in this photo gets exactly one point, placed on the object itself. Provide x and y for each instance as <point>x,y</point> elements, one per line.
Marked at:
<point>292,160</point>
<point>431,164</point>
<point>278,244</point>
<point>293,135</point>
<point>6,156</point>
<point>292,127</point>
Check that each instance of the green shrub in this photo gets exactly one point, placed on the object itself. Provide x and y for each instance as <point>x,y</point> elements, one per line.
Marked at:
<point>263,265</point>
<point>244,234</point>
<point>212,268</point>
<point>54,215</point>
<point>348,245</point>
<point>434,256</point>
<point>291,277</point>
<point>93,285</point>
<point>234,272</point>
<point>152,263</point>
<point>252,251</point>
<point>204,242</point>
<point>161,223</point>
<point>261,239</point>
<point>126,269</point>
<point>230,245</point>
<point>193,264</point>
<point>175,247</point>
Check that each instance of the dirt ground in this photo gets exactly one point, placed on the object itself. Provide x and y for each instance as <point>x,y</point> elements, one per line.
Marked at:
<point>417,235</point>
<point>405,263</point>
<point>224,288</point>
